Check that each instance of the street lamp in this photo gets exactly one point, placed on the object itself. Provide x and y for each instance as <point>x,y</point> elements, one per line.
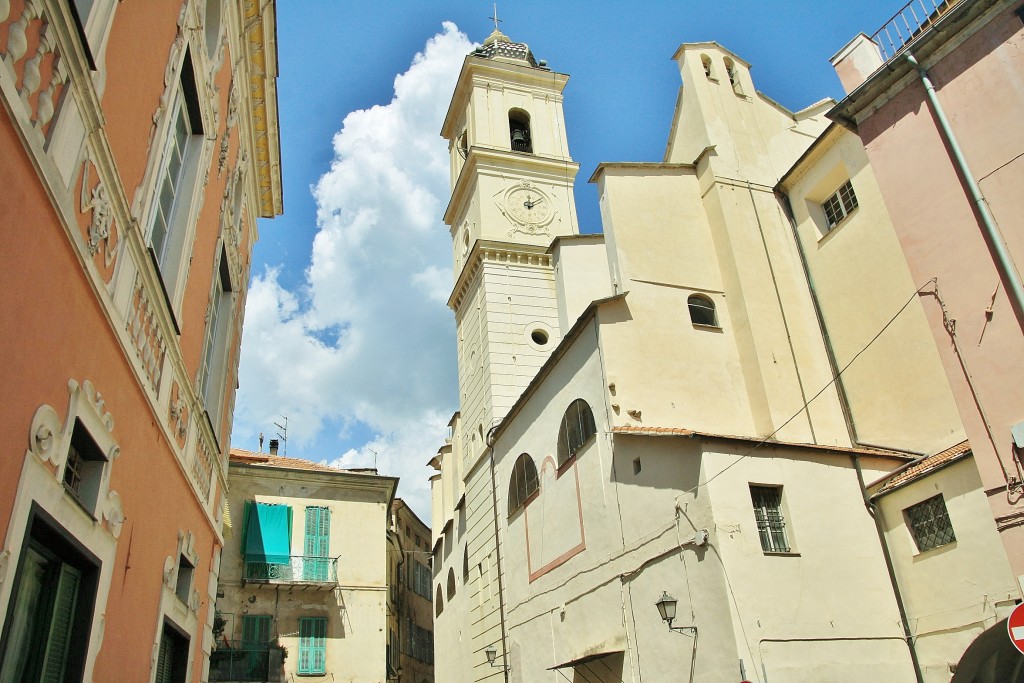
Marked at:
<point>666,605</point>
<point>492,654</point>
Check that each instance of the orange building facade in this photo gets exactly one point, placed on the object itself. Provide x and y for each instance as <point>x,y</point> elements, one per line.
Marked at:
<point>138,146</point>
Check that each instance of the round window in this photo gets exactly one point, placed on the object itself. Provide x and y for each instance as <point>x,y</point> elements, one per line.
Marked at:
<point>539,337</point>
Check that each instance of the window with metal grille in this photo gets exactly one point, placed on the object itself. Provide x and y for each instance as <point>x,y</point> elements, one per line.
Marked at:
<point>577,428</point>
<point>771,526</point>
<point>312,645</point>
<point>524,483</point>
<point>840,205</point>
<point>83,469</point>
<point>929,523</point>
<point>702,310</point>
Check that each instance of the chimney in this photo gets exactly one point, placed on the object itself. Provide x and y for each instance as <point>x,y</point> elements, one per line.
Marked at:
<point>273,446</point>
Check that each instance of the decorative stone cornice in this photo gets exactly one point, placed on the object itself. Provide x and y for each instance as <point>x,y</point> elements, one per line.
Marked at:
<point>259,26</point>
<point>485,251</point>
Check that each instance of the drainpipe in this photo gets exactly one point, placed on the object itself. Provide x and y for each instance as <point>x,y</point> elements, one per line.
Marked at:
<point>873,511</point>
<point>497,551</point>
<point>995,240</point>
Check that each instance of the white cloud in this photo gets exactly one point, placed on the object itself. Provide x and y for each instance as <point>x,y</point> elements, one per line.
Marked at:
<point>368,345</point>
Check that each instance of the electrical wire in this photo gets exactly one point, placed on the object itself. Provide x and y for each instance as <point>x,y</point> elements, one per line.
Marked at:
<point>820,391</point>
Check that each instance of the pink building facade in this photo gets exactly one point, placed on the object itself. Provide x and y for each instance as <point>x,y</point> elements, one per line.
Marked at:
<point>138,146</point>
<point>937,98</point>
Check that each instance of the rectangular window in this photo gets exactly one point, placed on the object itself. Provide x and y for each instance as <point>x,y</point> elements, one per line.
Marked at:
<point>172,660</point>
<point>184,584</point>
<point>83,469</point>
<point>312,645</point>
<point>840,205</point>
<point>215,345</point>
<point>46,631</point>
<point>176,182</point>
<point>771,527</point>
<point>929,523</point>
<point>315,563</point>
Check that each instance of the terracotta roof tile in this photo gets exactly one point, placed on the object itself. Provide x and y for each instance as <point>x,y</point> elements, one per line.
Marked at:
<point>245,457</point>
<point>920,468</point>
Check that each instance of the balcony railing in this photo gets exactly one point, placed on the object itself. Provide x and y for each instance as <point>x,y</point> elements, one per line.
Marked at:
<point>300,569</point>
<point>909,23</point>
<point>237,662</point>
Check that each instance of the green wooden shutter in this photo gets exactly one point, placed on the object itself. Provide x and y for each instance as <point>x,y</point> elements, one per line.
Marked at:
<point>312,645</point>
<point>318,532</point>
<point>65,599</point>
<point>255,630</point>
<point>164,660</point>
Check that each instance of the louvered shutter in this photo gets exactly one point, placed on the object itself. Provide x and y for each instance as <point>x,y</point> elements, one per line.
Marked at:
<point>65,599</point>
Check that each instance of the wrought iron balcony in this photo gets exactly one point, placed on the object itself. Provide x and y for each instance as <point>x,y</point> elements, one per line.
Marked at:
<point>239,662</point>
<point>305,570</point>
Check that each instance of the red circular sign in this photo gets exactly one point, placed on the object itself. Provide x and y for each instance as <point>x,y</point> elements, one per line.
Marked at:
<point>1015,627</point>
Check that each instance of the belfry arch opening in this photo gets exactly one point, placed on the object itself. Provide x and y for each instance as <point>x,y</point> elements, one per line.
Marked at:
<point>520,137</point>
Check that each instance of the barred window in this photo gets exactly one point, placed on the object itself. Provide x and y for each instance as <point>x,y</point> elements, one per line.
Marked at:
<point>771,527</point>
<point>702,310</point>
<point>840,205</point>
<point>929,523</point>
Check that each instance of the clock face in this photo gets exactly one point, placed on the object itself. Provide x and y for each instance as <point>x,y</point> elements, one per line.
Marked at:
<point>527,205</point>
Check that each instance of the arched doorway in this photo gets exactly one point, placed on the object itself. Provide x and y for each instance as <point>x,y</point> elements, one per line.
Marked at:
<point>991,658</point>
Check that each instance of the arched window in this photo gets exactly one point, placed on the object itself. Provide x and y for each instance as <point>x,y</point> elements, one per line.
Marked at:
<point>730,68</point>
<point>706,62</point>
<point>438,603</point>
<point>451,584</point>
<point>524,483</point>
<point>519,130</point>
<point>465,565</point>
<point>702,310</point>
<point>577,428</point>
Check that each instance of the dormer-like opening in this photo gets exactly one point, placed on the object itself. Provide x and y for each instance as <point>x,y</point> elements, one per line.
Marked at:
<point>706,63</point>
<point>519,131</point>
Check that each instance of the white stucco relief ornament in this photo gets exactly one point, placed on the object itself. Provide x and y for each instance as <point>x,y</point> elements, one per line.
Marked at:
<point>527,207</point>
<point>169,571</point>
<point>113,514</point>
<point>102,216</point>
<point>44,434</point>
<point>5,557</point>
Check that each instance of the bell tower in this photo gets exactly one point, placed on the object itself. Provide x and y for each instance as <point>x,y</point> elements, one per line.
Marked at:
<point>512,195</point>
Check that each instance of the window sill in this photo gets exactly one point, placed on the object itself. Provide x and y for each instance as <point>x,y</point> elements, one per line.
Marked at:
<point>788,553</point>
<point>702,326</point>
<point>78,503</point>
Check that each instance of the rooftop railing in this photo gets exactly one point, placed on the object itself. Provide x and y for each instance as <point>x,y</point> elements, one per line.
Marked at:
<point>299,569</point>
<point>912,20</point>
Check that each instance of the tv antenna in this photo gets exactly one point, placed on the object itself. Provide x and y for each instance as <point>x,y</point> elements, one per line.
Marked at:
<point>283,434</point>
<point>374,458</point>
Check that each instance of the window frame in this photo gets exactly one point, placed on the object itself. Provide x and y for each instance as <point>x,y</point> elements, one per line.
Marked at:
<point>178,216</point>
<point>528,476</point>
<point>770,520</point>
<point>312,644</point>
<point>702,304</point>
<point>839,205</point>
<point>916,524</point>
<point>585,430</point>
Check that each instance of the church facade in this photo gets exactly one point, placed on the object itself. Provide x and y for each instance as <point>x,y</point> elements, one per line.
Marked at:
<point>669,433</point>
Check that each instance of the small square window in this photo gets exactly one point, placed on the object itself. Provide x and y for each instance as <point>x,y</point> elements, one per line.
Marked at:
<point>929,523</point>
<point>840,205</point>
<point>636,466</point>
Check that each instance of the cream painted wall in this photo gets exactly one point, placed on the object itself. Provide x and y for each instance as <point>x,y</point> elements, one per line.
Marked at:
<point>356,609</point>
<point>897,391</point>
<point>954,592</point>
<point>581,275</point>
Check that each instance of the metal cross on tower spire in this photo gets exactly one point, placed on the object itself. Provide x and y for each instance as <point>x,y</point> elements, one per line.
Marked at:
<point>495,18</point>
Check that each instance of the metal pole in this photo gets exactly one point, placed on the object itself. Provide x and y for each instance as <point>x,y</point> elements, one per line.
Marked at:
<point>1014,287</point>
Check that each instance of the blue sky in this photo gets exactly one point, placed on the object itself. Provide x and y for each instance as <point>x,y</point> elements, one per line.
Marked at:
<point>347,331</point>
